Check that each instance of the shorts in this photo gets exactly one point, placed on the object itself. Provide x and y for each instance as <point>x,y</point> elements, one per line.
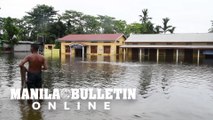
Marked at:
<point>34,80</point>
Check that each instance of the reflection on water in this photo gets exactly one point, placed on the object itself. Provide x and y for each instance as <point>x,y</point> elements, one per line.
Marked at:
<point>164,91</point>
<point>27,112</point>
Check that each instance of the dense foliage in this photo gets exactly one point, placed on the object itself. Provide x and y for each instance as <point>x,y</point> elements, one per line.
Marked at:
<point>45,22</point>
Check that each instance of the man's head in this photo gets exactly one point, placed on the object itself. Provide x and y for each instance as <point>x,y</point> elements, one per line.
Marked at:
<point>34,47</point>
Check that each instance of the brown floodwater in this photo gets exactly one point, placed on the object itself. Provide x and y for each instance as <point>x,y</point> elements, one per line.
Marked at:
<point>165,91</point>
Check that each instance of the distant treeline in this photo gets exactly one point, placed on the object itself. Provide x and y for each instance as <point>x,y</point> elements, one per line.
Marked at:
<point>45,22</point>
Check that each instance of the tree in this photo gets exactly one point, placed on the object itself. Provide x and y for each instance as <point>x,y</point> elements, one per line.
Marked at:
<point>147,26</point>
<point>55,30</point>
<point>120,26</point>
<point>91,24</point>
<point>144,17</point>
<point>39,19</point>
<point>211,29</point>
<point>1,27</point>
<point>133,28</point>
<point>24,30</point>
<point>10,31</point>
<point>157,29</point>
<point>172,30</point>
<point>167,28</point>
<point>74,22</point>
<point>107,24</point>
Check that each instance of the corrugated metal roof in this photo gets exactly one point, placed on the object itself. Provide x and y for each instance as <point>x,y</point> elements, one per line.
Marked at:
<point>169,46</point>
<point>179,37</point>
<point>25,42</point>
<point>91,37</point>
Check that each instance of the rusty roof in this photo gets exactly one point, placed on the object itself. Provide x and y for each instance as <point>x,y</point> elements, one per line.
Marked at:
<point>91,37</point>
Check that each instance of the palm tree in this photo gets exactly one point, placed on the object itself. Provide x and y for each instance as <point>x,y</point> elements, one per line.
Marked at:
<point>157,29</point>
<point>144,17</point>
<point>167,28</point>
<point>211,29</point>
<point>147,27</point>
<point>172,30</point>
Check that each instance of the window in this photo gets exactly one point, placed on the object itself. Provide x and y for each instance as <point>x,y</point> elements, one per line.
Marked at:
<point>93,49</point>
<point>117,49</point>
<point>50,47</point>
<point>107,49</point>
<point>67,48</point>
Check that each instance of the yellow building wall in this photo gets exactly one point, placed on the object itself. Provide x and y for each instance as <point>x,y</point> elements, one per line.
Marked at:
<point>49,45</point>
<point>51,52</point>
<point>100,47</point>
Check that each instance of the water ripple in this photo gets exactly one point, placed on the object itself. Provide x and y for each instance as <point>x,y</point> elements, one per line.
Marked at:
<point>164,91</point>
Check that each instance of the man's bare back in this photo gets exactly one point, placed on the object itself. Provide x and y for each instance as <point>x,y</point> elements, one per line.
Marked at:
<point>36,63</point>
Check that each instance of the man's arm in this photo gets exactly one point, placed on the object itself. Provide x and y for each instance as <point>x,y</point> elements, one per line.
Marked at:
<point>21,64</point>
<point>44,65</point>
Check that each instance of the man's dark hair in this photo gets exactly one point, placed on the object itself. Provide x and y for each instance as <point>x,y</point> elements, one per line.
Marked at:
<point>35,46</point>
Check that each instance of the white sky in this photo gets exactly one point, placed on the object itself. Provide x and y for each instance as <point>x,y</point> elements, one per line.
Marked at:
<point>188,16</point>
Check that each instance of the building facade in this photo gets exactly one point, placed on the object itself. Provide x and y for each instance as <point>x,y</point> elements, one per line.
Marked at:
<point>21,46</point>
<point>169,47</point>
<point>92,44</point>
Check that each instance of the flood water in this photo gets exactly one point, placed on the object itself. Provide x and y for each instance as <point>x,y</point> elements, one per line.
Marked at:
<point>164,91</point>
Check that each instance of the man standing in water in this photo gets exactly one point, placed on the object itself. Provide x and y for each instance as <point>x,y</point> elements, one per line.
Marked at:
<point>37,63</point>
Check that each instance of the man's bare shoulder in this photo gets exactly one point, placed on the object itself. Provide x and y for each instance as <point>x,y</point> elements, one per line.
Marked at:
<point>41,56</point>
<point>28,56</point>
<point>32,56</point>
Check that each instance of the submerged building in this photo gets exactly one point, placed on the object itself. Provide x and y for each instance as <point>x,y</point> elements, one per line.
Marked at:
<point>169,47</point>
<point>92,44</point>
<point>21,46</point>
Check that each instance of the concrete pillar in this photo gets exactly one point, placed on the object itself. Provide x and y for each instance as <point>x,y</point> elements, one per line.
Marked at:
<point>148,53</point>
<point>70,51</point>
<point>140,54</point>
<point>177,55</point>
<point>198,56</point>
<point>70,55</point>
<point>157,55</point>
<point>124,53</point>
<point>82,53</point>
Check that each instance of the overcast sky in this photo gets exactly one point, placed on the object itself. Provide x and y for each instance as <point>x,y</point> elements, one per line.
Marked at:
<point>188,16</point>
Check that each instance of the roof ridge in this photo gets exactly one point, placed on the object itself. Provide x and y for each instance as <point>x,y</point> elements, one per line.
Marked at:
<point>99,34</point>
<point>171,34</point>
<point>91,37</point>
